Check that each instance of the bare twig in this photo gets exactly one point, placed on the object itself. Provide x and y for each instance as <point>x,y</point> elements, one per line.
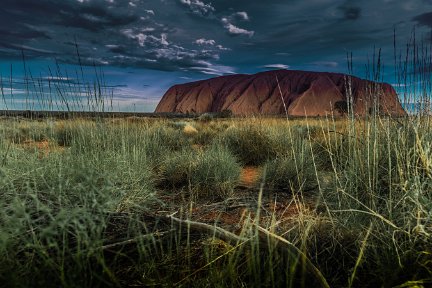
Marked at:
<point>209,230</point>
<point>135,240</point>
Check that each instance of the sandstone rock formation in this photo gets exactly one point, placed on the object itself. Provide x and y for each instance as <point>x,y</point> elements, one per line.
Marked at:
<point>304,94</point>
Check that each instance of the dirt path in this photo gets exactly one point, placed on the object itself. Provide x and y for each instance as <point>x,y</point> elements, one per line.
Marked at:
<point>249,176</point>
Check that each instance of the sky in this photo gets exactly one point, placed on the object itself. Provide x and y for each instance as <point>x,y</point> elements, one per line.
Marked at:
<point>136,49</point>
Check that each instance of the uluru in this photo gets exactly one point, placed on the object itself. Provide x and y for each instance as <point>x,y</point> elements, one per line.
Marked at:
<point>299,93</point>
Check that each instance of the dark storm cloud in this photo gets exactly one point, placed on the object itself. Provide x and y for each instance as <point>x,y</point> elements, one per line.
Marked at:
<point>203,36</point>
<point>94,18</point>
<point>108,32</point>
<point>24,34</point>
<point>424,19</point>
<point>350,12</point>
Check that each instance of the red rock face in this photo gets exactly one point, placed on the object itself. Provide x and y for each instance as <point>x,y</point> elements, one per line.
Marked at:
<point>304,94</point>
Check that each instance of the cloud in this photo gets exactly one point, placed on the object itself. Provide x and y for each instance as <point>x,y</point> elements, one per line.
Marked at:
<point>325,63</point>
<point>145,40</point>
<point>154,35</point>
<point>211,69</point>
<point>57,79</point>
<point>203,41</point>
<point>164,39</point>
<point>222,48</point>
<point>198,7</point>
<point>94,18</point>
<point>424,19</point>
<point>276,66</point>
<point>350,12</point>
<point>234,30</point>
<point>18,48</point>
<point>241,15</point>
<point>211,42</point>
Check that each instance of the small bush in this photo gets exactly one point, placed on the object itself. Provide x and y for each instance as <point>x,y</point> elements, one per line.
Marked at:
<point>65,135</point>
<point>159,140</point>
<point>213,173</point>
<point>341,107</point>
<point>205,117</point>
<point>289,174</point>
<point>251,145</point>
<point>190,130</point>
<point>226,113</point>
<point>175,170</point>
<point>204,137</point>
<point>305,132</point>
<point>216,173</point>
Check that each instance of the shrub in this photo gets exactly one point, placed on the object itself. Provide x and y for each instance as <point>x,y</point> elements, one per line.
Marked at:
<point>175,170</point>
<point>226,113</point>
<point>205,117</point>
<point>190,130</point>
<point>341,107</point>
<point>65,135</point>
<point>207,132</point>
<point>213,173</point>
<point>216,173</point>
<point>291,174</point>
<point>159,140</point>
<point>251,145</point>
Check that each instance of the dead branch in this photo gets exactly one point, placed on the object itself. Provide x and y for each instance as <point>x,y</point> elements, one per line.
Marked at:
<point>209,230</point>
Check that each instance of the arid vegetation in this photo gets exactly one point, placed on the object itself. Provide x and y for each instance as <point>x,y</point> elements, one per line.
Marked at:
<point>216,202</point>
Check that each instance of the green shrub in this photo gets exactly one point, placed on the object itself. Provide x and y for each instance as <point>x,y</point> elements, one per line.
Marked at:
<point>212,173</point>
<point>291,174</point>
<point>206,117</point>
<point>251,145</point>
<point>204,136</point>
<point>159,140</point>
<point>175,169</point>
<point>216,173</point>
<point>226,113</point>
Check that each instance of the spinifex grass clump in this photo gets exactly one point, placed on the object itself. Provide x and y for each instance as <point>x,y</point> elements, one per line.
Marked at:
<point>52,220</point>
<point>294,172</point>
<point>251,144</point>
<point>161,139</point>
<point>216,173</point>
<point>175,168</point>
<point>211,173</point>
<point>209,130</point>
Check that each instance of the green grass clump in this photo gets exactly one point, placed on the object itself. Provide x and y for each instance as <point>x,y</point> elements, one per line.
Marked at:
<point>175,169</point>
<point>212,173</point>
<point>216,173</point>
<point>294,173</point>
<point>161,139</point>
<point>251,145</point>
